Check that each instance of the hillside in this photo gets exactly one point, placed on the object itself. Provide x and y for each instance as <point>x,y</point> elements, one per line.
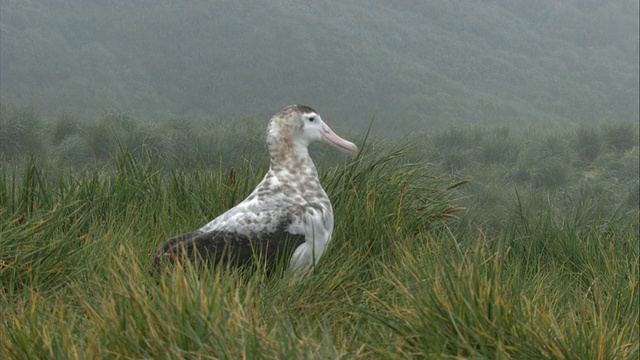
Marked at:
<point>411,64</point>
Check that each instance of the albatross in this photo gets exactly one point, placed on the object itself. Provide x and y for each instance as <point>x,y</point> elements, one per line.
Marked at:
<point>288,217</point>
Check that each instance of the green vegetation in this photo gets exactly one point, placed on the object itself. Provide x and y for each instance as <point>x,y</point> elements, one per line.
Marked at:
<point>542,262</point>
<point>415,64</point>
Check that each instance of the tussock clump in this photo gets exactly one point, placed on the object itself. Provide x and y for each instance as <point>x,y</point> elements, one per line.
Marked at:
<point>64,126</point>
<point>621,136</point>
<point>588,143</point>
<point>19,132</point>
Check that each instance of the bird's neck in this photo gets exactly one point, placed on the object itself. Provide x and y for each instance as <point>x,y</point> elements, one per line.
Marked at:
<point>288,156</point>
<point>296,175</point>
<point>296,165</point>
<point>292,168</point>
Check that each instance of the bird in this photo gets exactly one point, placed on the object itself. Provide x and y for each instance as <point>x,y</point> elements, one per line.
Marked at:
<point>287,218</point>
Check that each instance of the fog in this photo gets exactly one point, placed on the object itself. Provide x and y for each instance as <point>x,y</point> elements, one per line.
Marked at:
<point>412,65</point>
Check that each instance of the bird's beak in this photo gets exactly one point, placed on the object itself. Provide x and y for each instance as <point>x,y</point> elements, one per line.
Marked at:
<point>331,138</point>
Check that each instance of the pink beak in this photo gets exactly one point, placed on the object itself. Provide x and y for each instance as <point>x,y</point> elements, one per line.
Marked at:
<point>331,138</point>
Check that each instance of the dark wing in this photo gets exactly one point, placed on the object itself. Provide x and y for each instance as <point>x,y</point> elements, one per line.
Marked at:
<point>231,248</point>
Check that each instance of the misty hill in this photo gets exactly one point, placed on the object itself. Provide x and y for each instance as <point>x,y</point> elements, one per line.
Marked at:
<point>413,64</point>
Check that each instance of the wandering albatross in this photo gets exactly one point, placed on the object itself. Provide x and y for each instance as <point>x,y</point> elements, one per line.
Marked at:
<point>288,214</point>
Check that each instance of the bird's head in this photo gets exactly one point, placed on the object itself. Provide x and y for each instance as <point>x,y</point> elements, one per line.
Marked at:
<point>295,127</point>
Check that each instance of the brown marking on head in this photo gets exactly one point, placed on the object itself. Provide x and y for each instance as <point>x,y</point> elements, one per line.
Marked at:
<point>304,109</point>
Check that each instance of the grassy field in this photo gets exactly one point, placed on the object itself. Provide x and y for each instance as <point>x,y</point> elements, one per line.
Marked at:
<point>536,257</point>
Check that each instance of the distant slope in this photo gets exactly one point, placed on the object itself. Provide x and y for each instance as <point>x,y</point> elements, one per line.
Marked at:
<point>411,64</point>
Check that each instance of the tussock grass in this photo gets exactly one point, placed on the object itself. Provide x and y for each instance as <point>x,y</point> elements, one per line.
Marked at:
<point>19,131</point>
<point>403,276</point>
<point>493,301</point>
<point>76,254</point>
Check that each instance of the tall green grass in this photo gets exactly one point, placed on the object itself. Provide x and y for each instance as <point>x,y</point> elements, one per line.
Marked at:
<point>422,264</point>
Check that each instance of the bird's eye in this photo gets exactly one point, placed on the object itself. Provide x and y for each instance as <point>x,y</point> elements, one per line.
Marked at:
<point>312,118</point>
